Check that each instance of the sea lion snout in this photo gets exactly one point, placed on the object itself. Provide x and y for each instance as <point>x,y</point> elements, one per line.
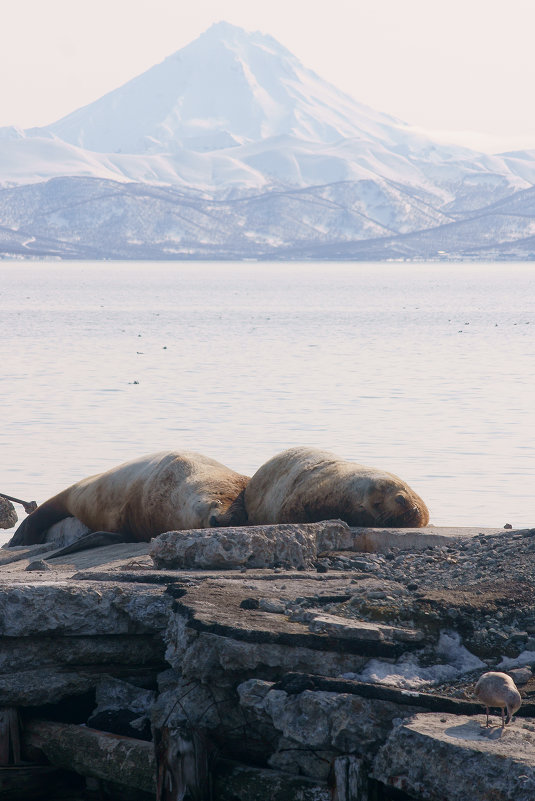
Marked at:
<point>403,507</point>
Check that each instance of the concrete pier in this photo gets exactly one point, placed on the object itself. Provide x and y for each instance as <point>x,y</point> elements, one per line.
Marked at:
<point>298,662</point>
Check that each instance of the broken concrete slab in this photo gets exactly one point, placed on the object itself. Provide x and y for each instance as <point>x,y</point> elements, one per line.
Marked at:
<point>381,540</point>
<point>44,685</point>
<point>19,653</point>
<point>217,659</point>
<point>231,607</point>
<point>314,722</point>
<point>21,552</point>
<point>58,607</point>
<point>355,629</point>
<point>223,629</point>
<point>15,560</point>
<point>289,545</point>
<point>122,708</point>
<point>218,628</point>
<point>296,545</point>
<point>435,757</point>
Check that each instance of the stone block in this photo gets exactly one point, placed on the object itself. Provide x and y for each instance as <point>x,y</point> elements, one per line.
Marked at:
<point>44,685</point>
<point>316,727</point>
<point>20,653</point>
<point>241,783</point>
<point>452,757</point>
<point>217,659</point>
<point>289,545</point>
<point>8,514</point>
<point>60,607</point>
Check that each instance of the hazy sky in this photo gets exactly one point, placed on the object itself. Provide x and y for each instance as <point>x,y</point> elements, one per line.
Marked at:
<point>464,67</point>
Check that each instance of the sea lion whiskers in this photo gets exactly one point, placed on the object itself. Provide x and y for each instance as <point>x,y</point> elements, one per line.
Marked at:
<point>409,515</point>
<point>384,516</point>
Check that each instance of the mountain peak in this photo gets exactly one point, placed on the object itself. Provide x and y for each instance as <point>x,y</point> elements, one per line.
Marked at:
<point>226,88</point>
<point>226,31</point>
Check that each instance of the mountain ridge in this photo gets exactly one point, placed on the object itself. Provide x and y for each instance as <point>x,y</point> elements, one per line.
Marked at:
<point>236,116</point>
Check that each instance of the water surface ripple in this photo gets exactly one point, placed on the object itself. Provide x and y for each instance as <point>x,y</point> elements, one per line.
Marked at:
<point>423,370</point>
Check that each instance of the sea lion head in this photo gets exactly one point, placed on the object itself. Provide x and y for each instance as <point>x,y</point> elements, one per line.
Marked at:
<point>228,514</point>
<point>391,502</point>
<point>305,485</point>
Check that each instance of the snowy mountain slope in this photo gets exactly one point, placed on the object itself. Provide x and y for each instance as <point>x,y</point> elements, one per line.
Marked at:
<point>279,162</point>
<point>225,88</point>
<point>231,147</point>
<point>95,218</point>
<point>229,89</point>
<point>521,163</point>
<point>27,159</point>
<point>118,216</point>
<point>503,230</point>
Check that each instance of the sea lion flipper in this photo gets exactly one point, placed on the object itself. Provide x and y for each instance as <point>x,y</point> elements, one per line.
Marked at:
<point>33,528</point>
<point>93,539</point>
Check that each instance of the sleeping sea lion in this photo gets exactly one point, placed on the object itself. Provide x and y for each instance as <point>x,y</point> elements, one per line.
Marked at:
<point>306,485</point>
<point>145,497</point>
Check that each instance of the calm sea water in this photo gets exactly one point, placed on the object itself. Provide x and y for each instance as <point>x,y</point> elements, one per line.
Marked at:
<point>423,370</point>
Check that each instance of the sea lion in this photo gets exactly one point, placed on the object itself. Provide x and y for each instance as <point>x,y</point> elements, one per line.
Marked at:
<point>145,497</point>
<point>306,485</point>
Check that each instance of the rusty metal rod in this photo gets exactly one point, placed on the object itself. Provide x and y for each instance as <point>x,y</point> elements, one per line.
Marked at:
<point>29,506</point>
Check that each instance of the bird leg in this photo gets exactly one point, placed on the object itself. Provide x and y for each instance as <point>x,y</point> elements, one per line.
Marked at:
<point>503,717</point>
<point>488,710</point>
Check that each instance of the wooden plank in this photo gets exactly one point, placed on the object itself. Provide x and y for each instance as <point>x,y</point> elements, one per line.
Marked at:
<point>9,736</point>
<point>94,753</point>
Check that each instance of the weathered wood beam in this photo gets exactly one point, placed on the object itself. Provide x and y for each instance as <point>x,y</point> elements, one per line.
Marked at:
<point>94,753</point>
<point>9,736</point>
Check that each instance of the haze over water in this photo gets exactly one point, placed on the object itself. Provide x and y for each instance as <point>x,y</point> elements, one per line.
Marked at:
<point>423,370</point>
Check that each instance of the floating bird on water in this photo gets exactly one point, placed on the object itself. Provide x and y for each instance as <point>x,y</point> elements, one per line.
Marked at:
<point>498,690</point>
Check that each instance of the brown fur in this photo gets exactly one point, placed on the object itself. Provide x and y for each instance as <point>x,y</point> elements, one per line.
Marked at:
<point>305,485</point>
<point>145,497</point>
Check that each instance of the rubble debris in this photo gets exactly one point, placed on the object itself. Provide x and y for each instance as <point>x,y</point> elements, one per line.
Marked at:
<point>274,681</point>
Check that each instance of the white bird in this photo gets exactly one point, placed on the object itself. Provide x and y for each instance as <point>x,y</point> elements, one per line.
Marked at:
<point>498,690</point>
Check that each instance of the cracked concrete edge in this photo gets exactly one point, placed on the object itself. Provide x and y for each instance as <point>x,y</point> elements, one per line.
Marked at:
<point>381,540</point>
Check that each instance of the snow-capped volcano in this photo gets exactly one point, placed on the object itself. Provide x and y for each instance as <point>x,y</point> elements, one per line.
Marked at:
<point>231,145</point>
<point>226,88</point>
<point>237,111</point>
